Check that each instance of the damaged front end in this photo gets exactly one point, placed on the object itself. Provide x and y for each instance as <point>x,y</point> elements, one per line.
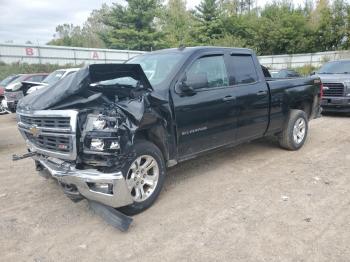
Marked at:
<point>81,130</point>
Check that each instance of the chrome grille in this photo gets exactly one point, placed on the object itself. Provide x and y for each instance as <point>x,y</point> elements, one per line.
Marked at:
<point>51,122</point>
<point>333,89</point>
<point>61,144</point>
<point>50,132</point>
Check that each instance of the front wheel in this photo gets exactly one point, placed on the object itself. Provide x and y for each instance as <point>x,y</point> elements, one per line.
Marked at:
<point>294,131</point>
<point>144,175</point>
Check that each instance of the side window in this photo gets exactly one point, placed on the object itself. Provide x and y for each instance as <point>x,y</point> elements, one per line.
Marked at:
<point>243,69</point>
<point>210,71</point>
<point>34,79</point>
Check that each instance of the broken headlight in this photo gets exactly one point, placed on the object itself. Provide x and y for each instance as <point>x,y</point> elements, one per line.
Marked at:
<point>97,144</point>
<point>101,134</point>
<point>102,144</point>
<point>99,124</point>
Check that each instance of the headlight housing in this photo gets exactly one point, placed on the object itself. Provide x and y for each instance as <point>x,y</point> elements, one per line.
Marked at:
<point>101,135</point>
<point>16,86</point>
<point>97,144</point>
<point>99,124</point>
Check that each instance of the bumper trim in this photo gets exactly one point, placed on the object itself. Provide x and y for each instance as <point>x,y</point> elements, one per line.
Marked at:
<point>68,174</point>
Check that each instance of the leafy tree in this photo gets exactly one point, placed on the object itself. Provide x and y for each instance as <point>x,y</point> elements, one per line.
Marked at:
<point>177,24</point>
<point>321,21</point>
<point>339,23</point>
<point>281,29</point>
<point>276,28</point>
<point>94,28</point>
<point>67,35</point>
<point>134,26</point>
<point>87,36</point>
<point>208,21</point>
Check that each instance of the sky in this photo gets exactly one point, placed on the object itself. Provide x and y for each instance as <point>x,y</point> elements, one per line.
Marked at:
<point>36,20</point>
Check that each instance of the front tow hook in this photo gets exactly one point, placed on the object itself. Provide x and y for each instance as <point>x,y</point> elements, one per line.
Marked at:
<point>20,157</point>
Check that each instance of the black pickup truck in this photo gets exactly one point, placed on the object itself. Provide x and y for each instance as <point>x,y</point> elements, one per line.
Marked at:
<point>108,132</point>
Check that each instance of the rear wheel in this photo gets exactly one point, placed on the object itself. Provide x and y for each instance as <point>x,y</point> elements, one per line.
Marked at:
<point>294,131</point>
<point>144,175</point>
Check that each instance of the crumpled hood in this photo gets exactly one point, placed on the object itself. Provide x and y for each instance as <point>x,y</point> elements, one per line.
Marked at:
<point>50,96</point>
<point>337,78</point>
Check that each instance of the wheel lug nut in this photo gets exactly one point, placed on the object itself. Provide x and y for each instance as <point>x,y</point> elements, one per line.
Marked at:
<point>142,182</point>
<point>135,178</point>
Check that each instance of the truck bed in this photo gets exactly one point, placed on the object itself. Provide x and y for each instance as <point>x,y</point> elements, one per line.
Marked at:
<point>285,93</point>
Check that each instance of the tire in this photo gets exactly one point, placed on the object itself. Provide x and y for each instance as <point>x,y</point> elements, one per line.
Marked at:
<point>135,171</point>
<point>295,130</point>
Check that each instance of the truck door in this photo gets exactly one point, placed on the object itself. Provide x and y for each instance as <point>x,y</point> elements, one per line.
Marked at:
<point>252,96</point>
<point>205,116</point>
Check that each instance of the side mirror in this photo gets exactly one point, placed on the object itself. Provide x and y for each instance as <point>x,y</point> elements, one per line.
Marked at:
<point>194,81</point>
<point>313,73</point>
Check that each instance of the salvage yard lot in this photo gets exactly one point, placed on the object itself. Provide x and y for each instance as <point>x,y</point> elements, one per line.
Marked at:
<point>254,202</point>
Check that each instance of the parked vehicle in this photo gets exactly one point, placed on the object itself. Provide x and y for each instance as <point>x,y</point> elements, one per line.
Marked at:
<point>51,79</point>
<point>284,73</point>
<point>335,77</point>
<point>109,132</point>
<point>15,90</point>
<point>3,84</point>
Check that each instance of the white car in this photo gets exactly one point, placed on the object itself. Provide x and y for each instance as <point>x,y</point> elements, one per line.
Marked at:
<point>53,78</point>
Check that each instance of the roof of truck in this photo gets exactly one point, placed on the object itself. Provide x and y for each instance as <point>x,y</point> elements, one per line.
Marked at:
<point>201,48</point>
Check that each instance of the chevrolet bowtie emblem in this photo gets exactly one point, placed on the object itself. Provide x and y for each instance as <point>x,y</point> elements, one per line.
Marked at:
<point>34,130</point>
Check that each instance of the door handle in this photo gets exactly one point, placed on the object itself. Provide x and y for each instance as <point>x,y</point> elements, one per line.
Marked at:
<point>228,98</point>
<point>261,93</point>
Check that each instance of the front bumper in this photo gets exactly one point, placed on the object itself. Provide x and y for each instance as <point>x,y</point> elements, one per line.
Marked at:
<point>82,180</point>
<point>335,104</point>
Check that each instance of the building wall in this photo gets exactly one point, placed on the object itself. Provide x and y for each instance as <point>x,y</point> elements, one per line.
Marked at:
<point>10,53</point>
<point>32,54</point>
<point>298,60</point>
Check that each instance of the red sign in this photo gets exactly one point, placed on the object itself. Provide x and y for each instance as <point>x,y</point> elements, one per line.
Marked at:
<point>29,51</point>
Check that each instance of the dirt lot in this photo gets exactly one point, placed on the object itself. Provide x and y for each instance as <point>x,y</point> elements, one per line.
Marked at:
<point>255,202</point>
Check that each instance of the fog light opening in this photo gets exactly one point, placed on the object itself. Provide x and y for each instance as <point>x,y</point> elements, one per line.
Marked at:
<point>105,188</point>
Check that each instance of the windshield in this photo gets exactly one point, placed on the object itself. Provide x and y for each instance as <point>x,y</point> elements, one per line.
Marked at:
<point>8,80</point>
<point>19,79</point>
<point>157,67</point>
<point>336,67</point>
<point>54,77</point>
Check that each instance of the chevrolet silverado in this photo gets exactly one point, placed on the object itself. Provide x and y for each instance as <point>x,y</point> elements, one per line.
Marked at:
<point>108,132</point>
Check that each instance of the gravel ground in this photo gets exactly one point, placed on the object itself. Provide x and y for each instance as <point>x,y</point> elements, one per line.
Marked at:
<point>255,202</point>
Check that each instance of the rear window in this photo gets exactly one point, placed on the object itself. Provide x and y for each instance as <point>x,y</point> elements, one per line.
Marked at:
<point>242,69</point>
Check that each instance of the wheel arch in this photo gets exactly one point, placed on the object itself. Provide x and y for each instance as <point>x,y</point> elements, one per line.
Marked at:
<point>156,135</point>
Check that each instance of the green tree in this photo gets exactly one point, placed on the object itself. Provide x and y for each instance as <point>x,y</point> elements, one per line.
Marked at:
<point>339,23</point>
<point>177,24</point>
<point>208,24</point>
<point>94,28</point>
<point>134,26</point>
<point>282,29</point>
<point>67,35</point>
<point>321,21</point>
<point>89,35</point>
